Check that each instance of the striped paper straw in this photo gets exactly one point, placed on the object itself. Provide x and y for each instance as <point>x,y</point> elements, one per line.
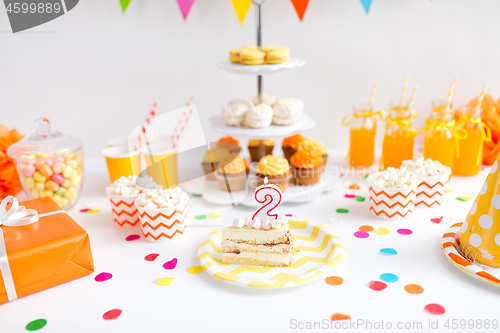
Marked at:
<point>413,94</point>
<point>403,91</point>
<point>372,95</point>
<point>183,120</point>
<point>480,99</point>
<point>450,97</point>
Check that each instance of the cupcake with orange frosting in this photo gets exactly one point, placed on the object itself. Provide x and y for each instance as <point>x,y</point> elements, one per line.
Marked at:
<point>307,167</point>
<point>276,169</point>
<point>232,172</point>
<point>254,148</point>
<point>291,144</point>
<point>211,161</point>
<point>314,145</point>
<point>229,143</point>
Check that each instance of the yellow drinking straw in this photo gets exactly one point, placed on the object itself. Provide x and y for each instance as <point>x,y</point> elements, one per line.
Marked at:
<point>413,94</point>
<point>403,91</point>
<point>372,95</point>
<point>480,99</point>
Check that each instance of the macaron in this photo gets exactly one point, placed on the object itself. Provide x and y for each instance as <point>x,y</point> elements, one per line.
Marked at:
<point>252,57</point>
<point>279,56</point>
<point>269,48</point>
<point>234,55</point>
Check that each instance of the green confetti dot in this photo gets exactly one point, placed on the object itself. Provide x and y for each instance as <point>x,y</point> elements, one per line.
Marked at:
<point>197,195</point>
<point>342,210</point>
<point>366,176</point>
<point>464,198</point>
<point>360,198</point>
<point>200,217</point>
<point>36,325</point>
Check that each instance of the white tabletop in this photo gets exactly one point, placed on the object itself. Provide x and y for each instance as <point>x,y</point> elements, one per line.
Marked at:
<point>202,303</point>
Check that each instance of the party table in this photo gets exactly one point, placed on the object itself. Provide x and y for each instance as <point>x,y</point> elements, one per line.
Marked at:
<point>202,303</point>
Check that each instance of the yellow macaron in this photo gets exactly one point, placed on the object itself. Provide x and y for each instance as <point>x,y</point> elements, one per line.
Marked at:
<point>252,57</point>
<point>278,56</point>
<point>234,55</point>
<point>269,48</point>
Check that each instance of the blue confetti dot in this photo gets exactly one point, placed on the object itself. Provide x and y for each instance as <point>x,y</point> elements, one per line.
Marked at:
<point>389,251</point>
<point>389,277</point>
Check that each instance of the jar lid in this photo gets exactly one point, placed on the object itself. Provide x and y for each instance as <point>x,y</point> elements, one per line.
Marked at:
<point>43,142</point>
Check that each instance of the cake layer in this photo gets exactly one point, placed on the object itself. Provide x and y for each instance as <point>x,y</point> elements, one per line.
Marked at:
<point>258,259</point>
<point>230,246</point>
<point>250,235</point>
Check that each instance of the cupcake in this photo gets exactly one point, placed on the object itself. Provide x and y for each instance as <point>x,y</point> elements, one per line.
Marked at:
<point>264,98</point>
<point>307,167</point>
<point>276,169</point>
<point>314,145</point>
<point>211,161</point>
<point>232,173</point>
<point>291,144</point>
<point>229,143</point>
<point>254,148</point>
<point>259,116</point>
<point>287,111</point>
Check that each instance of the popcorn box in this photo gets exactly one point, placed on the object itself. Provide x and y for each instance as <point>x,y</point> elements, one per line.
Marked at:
<point>163,225</point>
<point>392,204</point>
<point>430,191</point>
<point>50,249</point>
<point>124,211</point>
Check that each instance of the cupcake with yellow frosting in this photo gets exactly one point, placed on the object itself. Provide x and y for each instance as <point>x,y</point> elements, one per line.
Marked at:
<point>254,148</point>
<point>276,169</point>
<point>232,172</point>
<point>211,161</point>
<point>291,144</point>
<point>307,167</point>
<point>314,145</point>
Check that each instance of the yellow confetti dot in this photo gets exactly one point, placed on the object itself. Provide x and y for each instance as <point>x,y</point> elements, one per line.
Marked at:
<point>195,269</point>
<point>448,191</point>
<point>213,215</point>
<point>164,281</point>
<point>383,231</point>
<point>93,211</point>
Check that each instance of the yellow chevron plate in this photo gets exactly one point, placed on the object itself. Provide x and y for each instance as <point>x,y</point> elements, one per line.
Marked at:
<point>318,250</point>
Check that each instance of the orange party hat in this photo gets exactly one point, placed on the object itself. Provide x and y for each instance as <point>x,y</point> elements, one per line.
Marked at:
<point>480,233</point>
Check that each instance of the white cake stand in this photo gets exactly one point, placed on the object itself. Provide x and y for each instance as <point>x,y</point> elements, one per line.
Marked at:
<point>260,69</point>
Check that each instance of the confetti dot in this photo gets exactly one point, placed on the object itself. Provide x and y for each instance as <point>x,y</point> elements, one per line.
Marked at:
<point>213,215</point>
<point>164,281</point>
<point>448,191</point>
<point>36,324</point>
<point>170,264</point>
<point>360,198</point>
<point>151,257</point>
<point>288,215</point>
<point>93,211</point>
<point>435,309</point>
<point>84,210</point>
<point>361,234</point>
<point>366,228</point>
<point>405,231</point>
<point>354,187</point>
<point>389,251</point>
<point>464,198</point>
<point>437,219</point>
<point>414,289</point>
<point>342,210</point>
<point>389,277</point>
<point>383,231</point>
<point>334,280</point>
<point>197,195</point>
<point>200,217</point>
<point>195,269</point>
<point>339,316</point>
<point>101,277</point>
<point>132,238</point>
<point>377,285</point>
<point>366,176</point>
<point>112,314</point>
<point>350,196</point>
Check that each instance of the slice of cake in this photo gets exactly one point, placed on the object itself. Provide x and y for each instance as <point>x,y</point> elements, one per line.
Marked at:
<point>259,243</point>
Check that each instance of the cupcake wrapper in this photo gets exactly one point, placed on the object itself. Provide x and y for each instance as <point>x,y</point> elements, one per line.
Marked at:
<point>430,192</point>
<point>163,225</point>
<point>392,204</point>
<point>124,211</point>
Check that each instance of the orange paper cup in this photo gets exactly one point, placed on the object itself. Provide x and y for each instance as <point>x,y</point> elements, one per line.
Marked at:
<point>430,192</point>
<point>121,162</point>
<point>392,204</point>
<point>123,209</point>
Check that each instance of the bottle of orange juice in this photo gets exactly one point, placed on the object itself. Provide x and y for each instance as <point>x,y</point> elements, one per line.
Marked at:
<point>471,148</point>
<point>362,136</point>
<point>399,135</point>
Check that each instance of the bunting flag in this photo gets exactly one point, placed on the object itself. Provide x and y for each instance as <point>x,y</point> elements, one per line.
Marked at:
<point>300,7</point>
<point>185,6</point>
<point>366,4</point>
<point>241,8</point>
<point>124,4</point>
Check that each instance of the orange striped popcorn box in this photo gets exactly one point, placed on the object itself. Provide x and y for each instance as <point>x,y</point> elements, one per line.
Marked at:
<point>430,191</point>
<point>390,203</point>
<point>124,210</point>
<point>164,224</point>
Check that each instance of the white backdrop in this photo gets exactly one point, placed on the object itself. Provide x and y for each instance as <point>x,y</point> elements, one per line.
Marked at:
<point>95,72</point>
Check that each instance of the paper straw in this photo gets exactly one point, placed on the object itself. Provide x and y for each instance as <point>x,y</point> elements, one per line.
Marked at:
<point>480,99</point>
<point>413,94</point>
<point>372,95</point>
<point>183,120</point>
<point>450,97</point>
<point>403,91</point>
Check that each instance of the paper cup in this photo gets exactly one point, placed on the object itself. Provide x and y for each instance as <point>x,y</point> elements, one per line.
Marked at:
<point>161,163</point>
<point>163,225</point>
<point>124,211</point>
<point>121,162</point>
<point>430,192</point>
<point>392,204</point>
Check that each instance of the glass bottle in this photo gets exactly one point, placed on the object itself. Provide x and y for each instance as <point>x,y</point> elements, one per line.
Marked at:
<point>362,136</point>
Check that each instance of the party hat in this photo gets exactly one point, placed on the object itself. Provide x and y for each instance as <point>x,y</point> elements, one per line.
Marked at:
<point>480,233</point>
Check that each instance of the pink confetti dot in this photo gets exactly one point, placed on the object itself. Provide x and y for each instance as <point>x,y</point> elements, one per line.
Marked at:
<point>112,314</point>
<point>84,210</point>
<point>435,309</point>
<point>350,196</point>
<point>377,285</point>
<point>151,257</point>
<point>405,231</point>
<point>132,238</point>
<point>101,277</point>
<point>170,264</point>
<point>437,220</point>
<point>361,234</point>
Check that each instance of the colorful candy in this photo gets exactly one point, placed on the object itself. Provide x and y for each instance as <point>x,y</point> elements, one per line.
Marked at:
<point>39,178</point>
<point>57,178</point>
<point>29,170</point>
<point>46,171</point>
<point>59,167</point>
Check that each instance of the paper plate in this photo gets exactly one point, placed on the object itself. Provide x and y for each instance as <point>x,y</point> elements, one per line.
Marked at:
<point>451,249</point>
<point>319,250</point>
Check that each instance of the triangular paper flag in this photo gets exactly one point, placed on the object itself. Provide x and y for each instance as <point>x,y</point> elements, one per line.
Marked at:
<point>300,7</point>
<point>366,4</point>
<point>241,8</point>
<point>185,6</point>
<point>124,4</point>
<point>480,233</point>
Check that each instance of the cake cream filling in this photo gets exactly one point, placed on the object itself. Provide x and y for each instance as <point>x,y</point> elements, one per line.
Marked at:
<point>262,259</point>
<point>233,247</point>
<point>250,235</point>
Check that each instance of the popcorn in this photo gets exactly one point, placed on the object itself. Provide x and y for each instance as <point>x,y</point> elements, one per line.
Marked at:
<point>392,177</point>
<point>125,186</point>
<point>147,183</point>
<point>160,199</point>
<point>426,167</point>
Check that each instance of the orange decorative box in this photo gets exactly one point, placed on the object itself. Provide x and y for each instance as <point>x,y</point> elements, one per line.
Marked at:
<point>41,246</point>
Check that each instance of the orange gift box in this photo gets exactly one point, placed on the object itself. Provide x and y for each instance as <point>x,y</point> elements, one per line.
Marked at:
<point>46,253</point>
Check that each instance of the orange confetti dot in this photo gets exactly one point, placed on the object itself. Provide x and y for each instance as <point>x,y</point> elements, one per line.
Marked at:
<point>366,228</point>
<point>334,280</point>
<point>339,316</point>
<point>414,289</point>
<point>354,187</point>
